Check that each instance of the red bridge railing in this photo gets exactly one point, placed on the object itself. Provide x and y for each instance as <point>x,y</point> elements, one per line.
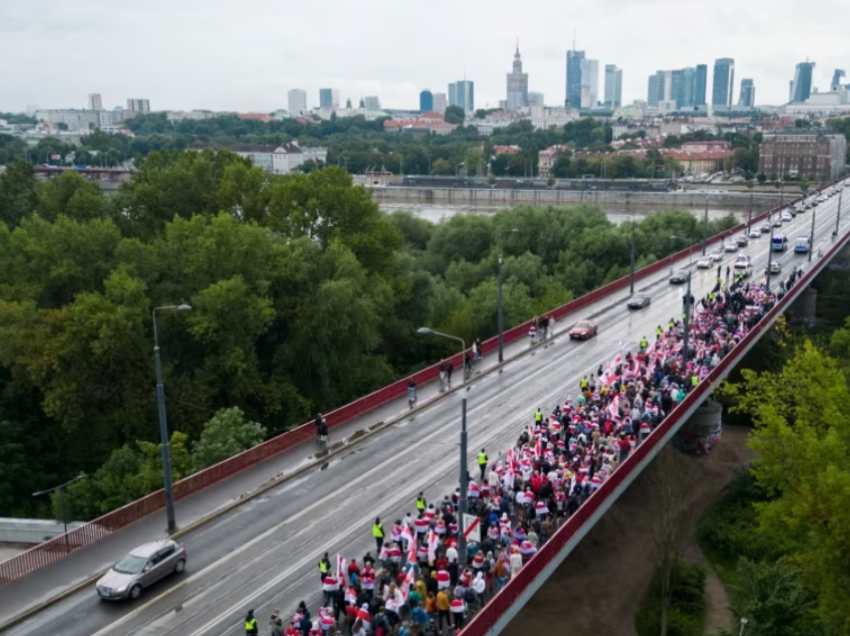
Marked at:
<point>51,551</point>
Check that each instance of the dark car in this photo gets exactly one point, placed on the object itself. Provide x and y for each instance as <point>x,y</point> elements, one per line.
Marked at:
<point>583,330</point>
<point>639,302</point>
<point>679,276</point>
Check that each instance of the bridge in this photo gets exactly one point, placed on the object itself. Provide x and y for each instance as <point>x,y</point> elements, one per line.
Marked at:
<point>256,524</point>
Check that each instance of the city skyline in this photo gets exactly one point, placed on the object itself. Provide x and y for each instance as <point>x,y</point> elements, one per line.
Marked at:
<point>355,60</point>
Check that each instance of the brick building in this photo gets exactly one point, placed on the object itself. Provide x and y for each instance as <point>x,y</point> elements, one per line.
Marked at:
<point>806,153</point>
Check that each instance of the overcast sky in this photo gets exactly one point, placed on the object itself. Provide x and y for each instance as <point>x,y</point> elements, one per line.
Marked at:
<point>246,55</point>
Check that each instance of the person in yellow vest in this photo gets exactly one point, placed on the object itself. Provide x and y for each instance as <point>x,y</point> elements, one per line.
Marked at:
<point>694,381</point>
<point>659,332</point>
<point>643,344</point>
<point>324,566</point>
<point>421,503</point>
<point>482,463</point>
<point>378,533</point>
<point>538,416</point>
<point>672,323</point>
<point>583,384</point>
<point>251,624</point>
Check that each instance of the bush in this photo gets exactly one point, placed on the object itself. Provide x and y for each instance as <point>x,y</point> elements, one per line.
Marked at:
<point>686,615</point>
<point>730,529</point>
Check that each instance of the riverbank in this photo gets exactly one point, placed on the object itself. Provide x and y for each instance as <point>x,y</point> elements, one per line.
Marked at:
<point>504,198</point>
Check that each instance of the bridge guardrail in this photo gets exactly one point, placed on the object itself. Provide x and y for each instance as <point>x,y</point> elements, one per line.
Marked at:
<point>485,620</point>
<point>51,551</point>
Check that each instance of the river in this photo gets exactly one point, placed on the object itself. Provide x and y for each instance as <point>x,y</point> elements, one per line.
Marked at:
<point>436,213</point>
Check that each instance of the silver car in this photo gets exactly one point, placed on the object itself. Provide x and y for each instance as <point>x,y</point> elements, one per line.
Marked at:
<point>143,567</point>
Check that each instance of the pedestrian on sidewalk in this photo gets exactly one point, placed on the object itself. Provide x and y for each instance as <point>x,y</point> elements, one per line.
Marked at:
<point>443,373</point>
<point>449,368</point>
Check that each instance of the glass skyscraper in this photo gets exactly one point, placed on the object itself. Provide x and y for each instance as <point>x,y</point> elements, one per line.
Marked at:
<point>801,87</point>
<point>724,82</point>
<point>701,81</point>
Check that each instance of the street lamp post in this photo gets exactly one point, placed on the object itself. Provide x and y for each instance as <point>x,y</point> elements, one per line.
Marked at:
<point>500,310</point>
<point>812,233</point>
<point>838,211</point>
<point>769,254</point>
<point>632,261</point>
<point>750,213</point>
<point>61,489</point>
<point>705,225</point>
<point>744,622</point>
<point>463,442</point>
<point>163,422</point>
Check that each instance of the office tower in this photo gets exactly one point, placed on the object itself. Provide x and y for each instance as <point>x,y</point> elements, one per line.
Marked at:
<point>700,83</point>
<point>682,87</point>
<point>835,85</point>
<point>328,98</point>
<point>371,102</point>
<point>517,84</point>
<point>535,99</point>
<point>297,101</point>
<point>462,94</point>
<point>139,106</point>
<point>440,102</point>
<point>747,98</point>
<point>575,59</point>
<point>724,82</point>
<point>426,101</point>
<point>613,86</point>
<point>660,88</point>
<point>95,102</point>
<point>589,83</point>
<point>801,87</point>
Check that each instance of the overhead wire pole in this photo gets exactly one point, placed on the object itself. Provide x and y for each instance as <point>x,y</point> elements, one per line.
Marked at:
<point>812,233</point>
<point>464,482</point>
<point>163,422</point>
<point>500,308</point>
<point>632,261</point>
<point>838,211</point>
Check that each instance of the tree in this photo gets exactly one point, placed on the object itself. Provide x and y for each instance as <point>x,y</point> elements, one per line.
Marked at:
<point>441,166</point>
<point>669,503</point>
<point>17,193</point>
<point>802,440</point>
<point>226,434</point>
<point>774,600</point>
<point>454,115</point>
<point>761,178</point>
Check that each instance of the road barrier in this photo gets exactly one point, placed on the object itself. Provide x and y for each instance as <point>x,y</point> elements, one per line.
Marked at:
<point>504,603</point>
<point>51,551</point>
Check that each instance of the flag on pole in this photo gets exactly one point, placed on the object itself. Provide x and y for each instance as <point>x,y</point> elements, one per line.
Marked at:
<point>340,570</point>
<point>407,535</point>
<point>433,542</point>
<point>411,552</point>
<point>538,448</point>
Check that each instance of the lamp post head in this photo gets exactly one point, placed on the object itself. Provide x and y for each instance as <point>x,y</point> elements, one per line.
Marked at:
<point>423,330</point>
<point>184,307</point>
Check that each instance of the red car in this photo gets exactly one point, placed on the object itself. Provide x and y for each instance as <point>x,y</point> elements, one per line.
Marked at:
<point>583,330</point>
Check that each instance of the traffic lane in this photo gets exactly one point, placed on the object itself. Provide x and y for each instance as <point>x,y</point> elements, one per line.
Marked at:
<point>634,326</point>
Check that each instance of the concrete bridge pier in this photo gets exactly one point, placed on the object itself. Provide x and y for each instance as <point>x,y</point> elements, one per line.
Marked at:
<point>702,431</point>
<point>805,306</point>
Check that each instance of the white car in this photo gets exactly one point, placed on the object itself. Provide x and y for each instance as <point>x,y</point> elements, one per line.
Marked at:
<point>754,234</point>
<point>705,262</point>
<point>786,217</point>
<point>716,256</point>
<point>730,247</point>
<point>743,267</point>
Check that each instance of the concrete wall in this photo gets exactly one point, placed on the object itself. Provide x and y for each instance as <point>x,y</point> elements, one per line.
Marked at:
<point>497,198</point>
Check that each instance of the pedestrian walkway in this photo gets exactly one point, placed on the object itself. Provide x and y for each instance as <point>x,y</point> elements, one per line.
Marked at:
<point>80,566</point>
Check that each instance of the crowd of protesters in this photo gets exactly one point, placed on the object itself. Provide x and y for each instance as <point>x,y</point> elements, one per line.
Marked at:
<point>417,583</point>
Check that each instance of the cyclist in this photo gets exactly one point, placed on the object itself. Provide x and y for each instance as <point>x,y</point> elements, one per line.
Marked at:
<point>411,393</point>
